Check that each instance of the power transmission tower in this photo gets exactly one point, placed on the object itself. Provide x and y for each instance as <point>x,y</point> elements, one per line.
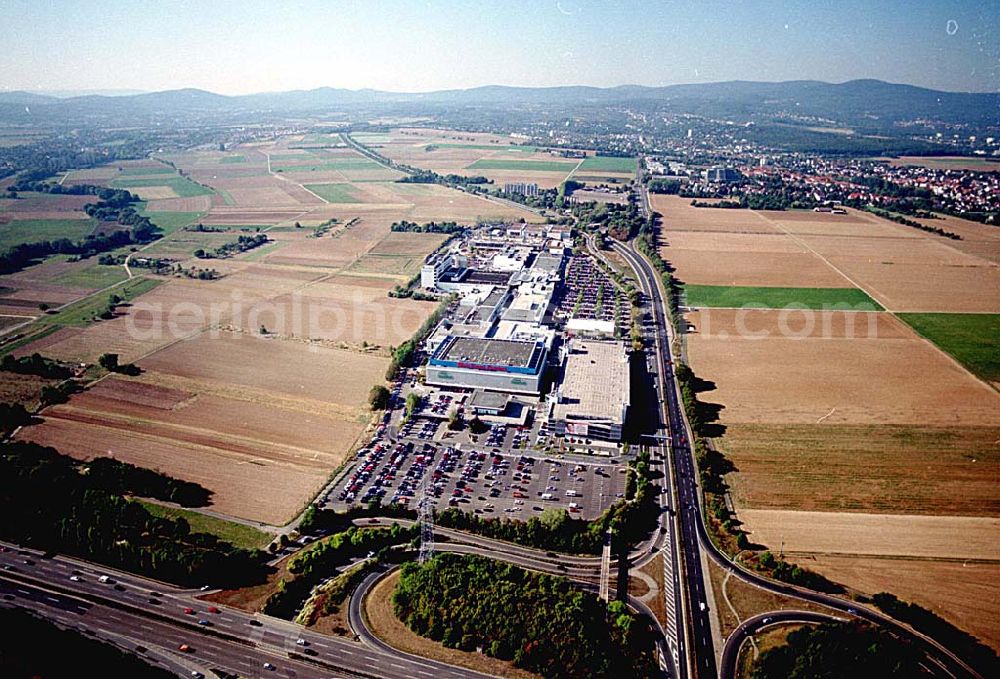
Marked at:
<point>425,515</point>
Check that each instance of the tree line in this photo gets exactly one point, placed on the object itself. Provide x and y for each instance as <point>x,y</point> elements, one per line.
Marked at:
<point>324,558</point>
<point>47,503</point>
<point>113,205</point>
<point>539,622</point>
<point>429,227</point>
<point>241,244</point>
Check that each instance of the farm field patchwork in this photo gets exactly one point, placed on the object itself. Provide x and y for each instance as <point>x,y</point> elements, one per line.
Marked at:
<point>777,298</point>
<point>522,165</point>
<point>162,186</point>
<point>334,193</point>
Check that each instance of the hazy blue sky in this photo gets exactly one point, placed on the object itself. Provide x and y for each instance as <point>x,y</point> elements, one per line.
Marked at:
<point>250,46</point>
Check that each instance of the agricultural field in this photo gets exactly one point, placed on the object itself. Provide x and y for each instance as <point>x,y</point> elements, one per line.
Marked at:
<point>254,384</point>
<point>777,298</point>
<point>19,231</point>
<point>498,158</point>
<point>854,434</point>
<point>948,163</point>
<point>972,339</point>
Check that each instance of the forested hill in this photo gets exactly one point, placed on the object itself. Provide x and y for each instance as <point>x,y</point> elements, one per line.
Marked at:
<point>849,102</point>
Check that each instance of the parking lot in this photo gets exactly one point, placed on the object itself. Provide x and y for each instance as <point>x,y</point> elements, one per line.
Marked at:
<point>511,485</point>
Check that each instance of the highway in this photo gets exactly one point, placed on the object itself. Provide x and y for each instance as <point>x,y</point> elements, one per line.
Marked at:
<point>235,640</point>
<point>693,534</point>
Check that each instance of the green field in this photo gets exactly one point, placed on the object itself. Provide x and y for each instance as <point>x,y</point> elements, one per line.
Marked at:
<point>233,159</point>
<point>36,230</point>
<point>234,533</point>
<point>778,298</point>
<point>171,221</point>
<point>972,339</point>
<point>140,171</point>
<point>334,193</point>
<point>608,164</point>
<point>522,165</point>
<point>84,311</point>
<point>183,187</point>
<point>95,276</point>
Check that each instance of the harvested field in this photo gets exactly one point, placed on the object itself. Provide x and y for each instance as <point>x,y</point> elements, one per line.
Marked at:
<point>678,215</point>
<point>840,325</point>
<point>957,537</point>
<point>339,313</point>
<point>523,165</point>
<point>707,267</point>
<point>249,487</point>
<point>782,379</point>
<point>137,393</point>
<point>948,163</point>
<point>926,288</point>
<point>963,592</point>
<point>865,468</point>
<point>293,369</point>
<point>192,204</point>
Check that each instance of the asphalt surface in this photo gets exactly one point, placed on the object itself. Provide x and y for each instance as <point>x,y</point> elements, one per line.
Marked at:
<point>694,536</point>
<point>751,626</point>
<point>122,608</point>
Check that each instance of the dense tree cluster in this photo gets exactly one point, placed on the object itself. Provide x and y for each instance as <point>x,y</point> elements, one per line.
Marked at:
<point>47,503</point>
<point>241,244</point>
<point>539,622</point>
<point>114,476</point>
<point>322,559</point>
<point>847,650</point>
<point>35,364</point>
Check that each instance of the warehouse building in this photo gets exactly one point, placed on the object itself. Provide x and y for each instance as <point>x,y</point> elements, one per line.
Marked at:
<point>490,364</point>
<point>592,398</point>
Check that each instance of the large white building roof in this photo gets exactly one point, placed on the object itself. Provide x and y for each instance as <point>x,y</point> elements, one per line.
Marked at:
<point>595,382</point>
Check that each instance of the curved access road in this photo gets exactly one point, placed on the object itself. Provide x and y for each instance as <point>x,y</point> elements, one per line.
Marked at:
<point>751,626</point>
<point>694,535</point>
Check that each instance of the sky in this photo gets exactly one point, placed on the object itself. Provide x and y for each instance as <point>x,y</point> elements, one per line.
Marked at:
<point>238,47</point>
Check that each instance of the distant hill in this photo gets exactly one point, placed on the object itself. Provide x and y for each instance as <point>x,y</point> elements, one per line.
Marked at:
<point>872,103</point>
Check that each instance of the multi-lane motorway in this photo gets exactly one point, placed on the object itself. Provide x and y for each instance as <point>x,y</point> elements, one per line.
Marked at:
<point>693,536</point>
<point>70,593</point>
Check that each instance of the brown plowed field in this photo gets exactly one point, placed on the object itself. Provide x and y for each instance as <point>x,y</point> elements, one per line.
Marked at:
<point>249,487</point>
<point>945,470</point>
